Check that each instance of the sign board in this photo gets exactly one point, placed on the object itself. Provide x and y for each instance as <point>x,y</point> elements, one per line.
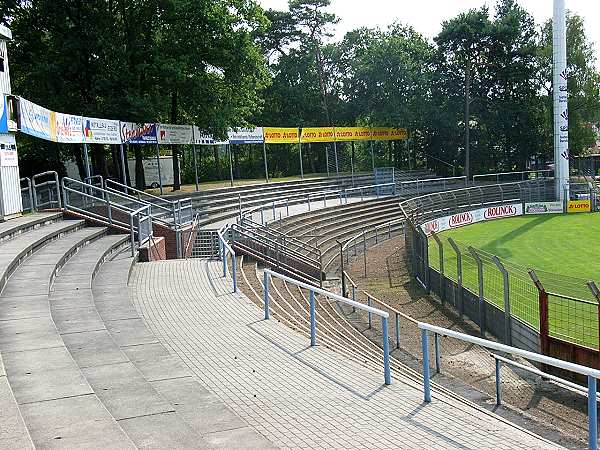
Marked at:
<point>245,136</point>
<point>281,135</point>
<point>469,217</point>
<point>174,134</point>
<point>579,206</point>
<point>317,134</point>
<point>3,115</point>
<point>389,134</point>
<point>138,133</point>
<point>544,208</point>
<point>66,128</point>
<point>8,151</point>
<point>35,120</point>
<point>101,131</point>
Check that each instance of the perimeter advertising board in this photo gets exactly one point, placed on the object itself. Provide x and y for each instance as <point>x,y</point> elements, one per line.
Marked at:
<point>275,135</point>
<point>579,206</point>
<point>469,217</point>
<point>544,208</point>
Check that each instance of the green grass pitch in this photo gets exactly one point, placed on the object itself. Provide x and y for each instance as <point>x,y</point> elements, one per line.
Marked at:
<point>563,250</point>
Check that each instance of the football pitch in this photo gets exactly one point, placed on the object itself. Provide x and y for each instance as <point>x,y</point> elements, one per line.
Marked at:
<point>561,248</point>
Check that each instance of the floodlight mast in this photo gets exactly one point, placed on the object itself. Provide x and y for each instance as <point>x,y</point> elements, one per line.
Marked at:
<point>561,111</point>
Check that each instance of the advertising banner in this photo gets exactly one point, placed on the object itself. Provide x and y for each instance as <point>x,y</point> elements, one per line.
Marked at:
<point>101,131</point>
<point>579,206</point>
<point>35,120</point>
<point>389,134</point>
<point>544,208</point>
<point>469,217</point>
<point>281,135</point>
<point>245,136</point>
<point>138,133</point>
<point>317,134</point>
<point>174,134</point>
<point>67,128</point>
<point>353,134</point>
<point>3,115</point>
<point>8,151</point>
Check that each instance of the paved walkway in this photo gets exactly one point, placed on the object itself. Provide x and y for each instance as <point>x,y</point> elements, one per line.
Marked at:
<point>297,396</point>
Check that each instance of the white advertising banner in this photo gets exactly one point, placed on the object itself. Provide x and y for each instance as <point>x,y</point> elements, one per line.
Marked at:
<point>544,208</point>
<point>245,136</point>
<point>68,128</point>
<point>101,131</point>
<point>469,217</point>
<point>8,151</point>
<point>174,134</point>
<point>35,120</point>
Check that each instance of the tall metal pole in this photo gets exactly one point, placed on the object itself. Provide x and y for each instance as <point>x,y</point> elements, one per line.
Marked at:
<point>86,157</point>
<point>158,166</point>
<point>337,167</point>
<point>265,159</point>
<point>228,147</point>
<point>467,120</point>
<point>561,112</point>
<point>372,156</point>
<point>195,157</point>
<point>300,147</point>
<point>327,158</point>
<point>123,162</point>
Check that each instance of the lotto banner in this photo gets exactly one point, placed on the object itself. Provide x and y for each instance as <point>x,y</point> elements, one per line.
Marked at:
<point>138,133</point>
<point>174,134</point>
<point>35,120</point>
<point>389,134</point>
<point>280,135</point>
<point>469,217</point>
<point>369,134</point>
<point>101,131</point>
<point>317,134</point>
<point>579,206</point>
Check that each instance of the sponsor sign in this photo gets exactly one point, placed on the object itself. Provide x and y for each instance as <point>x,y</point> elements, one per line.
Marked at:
<point>369,134</point>
<point>8,151</point>
<point>35,120</point>
<point>281,135</point>
<point>3,115</point>
<point>317,134</point>
<point>544,208</point>
<point>101,131</point>
<point>245,136</point>
<point>469,217</point>
<point>174,134</point>
<point>389,134</point>
<point>138,133</point>
<point>578,206</point>
<point>67,128</point>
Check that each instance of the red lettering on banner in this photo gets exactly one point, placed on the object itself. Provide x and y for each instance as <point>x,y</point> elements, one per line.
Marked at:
<point>432,227</point>
<point>458,220</point>
<point>495,212</point>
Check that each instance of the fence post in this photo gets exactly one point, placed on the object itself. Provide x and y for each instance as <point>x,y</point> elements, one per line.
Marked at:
<point>425,250</point>
<point>266,294</point>
<point>596,292</point>
<point>234,266</point>
<point>506,288</point>
<point>480,284</point>
<point>498,383</point>
<point>313,325</point>
<point>425,352</point>
<point>370,303</point>
<point>386,351</point>
<point>365,251</point>
<point>436,346</point>
<point>592,414</point>
<point>543,307</point>
<point>341,244</point>
<point>441,264</point>
<point>459,293</point>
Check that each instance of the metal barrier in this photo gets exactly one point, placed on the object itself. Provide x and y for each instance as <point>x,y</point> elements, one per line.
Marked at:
<point>224,250</point>
<point>143,219</point>
<point>46,195</point>
<point>377,190</point>
<point>27,195</point>
<point>591,374</point>
<point>313,291</point>
<point>428,185</point>
<point>498,177</point>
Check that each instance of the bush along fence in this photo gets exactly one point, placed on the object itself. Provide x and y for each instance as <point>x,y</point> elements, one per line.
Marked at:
<point>533,310</point>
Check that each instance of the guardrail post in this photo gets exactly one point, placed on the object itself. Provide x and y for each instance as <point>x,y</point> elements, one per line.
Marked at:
<point>262,217</point>
<point>287,206</point>
<point>240,205</point>
<point>308,201</point>
<point>436,346</point>
<point>498,383</point>
<point>234,266</point>
<point>480,284</point>
<point>266,294</point>
<point>131,235</point>
<point>386,351</point>
<point>459,294</point>
<point>592,414</point>
<point>543,309</point>
<point>365,251</point>
<point>362,196</point>
<point>224,260</point>
<point>274,216</point>
<point>324,200</point>
<point>370,303</point>
<point>506,295</point>
<point>313,325</point>
<point>425,352</point>
<point>397,330</point>
<point>353,297</point>
<point>441,264</point>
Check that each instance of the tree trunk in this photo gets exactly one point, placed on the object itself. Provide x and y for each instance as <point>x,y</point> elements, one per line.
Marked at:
<point>176,172</point>
<point>311,158</point>
<point>116,162</point>
<point>236,162</point>
<point>217,165</point>
<point>99,160</point>
<point>140,179</point>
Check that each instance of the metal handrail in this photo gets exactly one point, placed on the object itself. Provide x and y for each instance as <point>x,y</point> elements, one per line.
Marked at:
<point>591,374</point>
<point>29,191</point>
<point>499,174</point>
<point>398,314</point>
<point>384,315</point>
<point>55,182</point>
<point>224,250</point>
<point>421,184</point>
<point>137,214</point>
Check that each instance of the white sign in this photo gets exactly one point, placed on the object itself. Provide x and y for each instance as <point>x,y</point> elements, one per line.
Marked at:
<point>8,151</point>
<point>68,128</point>
<point>35,120</point>
<point>469,217</point>
<point>245,136</point>
<point>101,131</point>
<point>174,134</point>
<point>544,208</point>
<point>201,138</point>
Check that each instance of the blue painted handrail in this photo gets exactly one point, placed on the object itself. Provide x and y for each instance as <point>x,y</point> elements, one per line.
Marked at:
<point>313,290</point>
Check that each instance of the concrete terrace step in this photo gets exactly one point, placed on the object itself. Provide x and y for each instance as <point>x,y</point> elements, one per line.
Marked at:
<point>19,225</point>
<point>151,392</point>
<point>56,403</point>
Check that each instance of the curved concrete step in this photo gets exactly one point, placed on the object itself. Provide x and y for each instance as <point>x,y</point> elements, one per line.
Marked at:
<point>57,404</point>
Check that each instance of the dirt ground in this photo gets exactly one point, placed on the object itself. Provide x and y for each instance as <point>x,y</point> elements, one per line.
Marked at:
<point>557,413</point>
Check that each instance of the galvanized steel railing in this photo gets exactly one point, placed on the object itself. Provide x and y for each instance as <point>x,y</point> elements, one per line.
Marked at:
<point>428,185</point>
<point>46,195</point>
<point>506,177</point>
<point>226,250</point>
<point>27,195</point>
